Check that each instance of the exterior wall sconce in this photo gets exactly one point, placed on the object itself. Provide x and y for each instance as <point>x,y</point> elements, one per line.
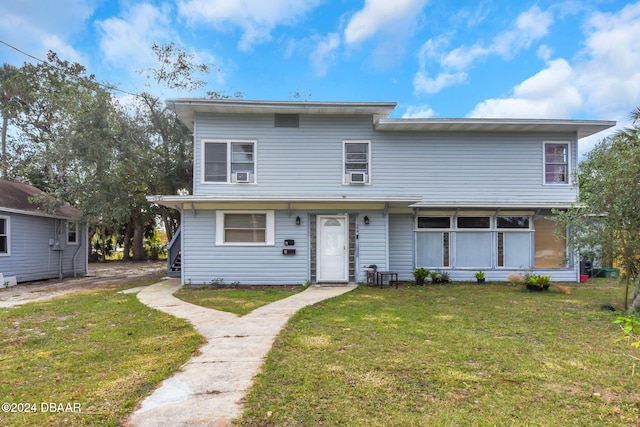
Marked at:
<point>366,220</point>
<point>297,220</point>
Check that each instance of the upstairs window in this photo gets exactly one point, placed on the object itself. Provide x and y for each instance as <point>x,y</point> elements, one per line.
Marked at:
<point>4,236</point>
<point>228,161</point>
<point>357,168</point>
<point>556,163</point>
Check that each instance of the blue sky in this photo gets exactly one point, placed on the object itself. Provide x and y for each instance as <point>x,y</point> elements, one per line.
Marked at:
<point>574,59</point>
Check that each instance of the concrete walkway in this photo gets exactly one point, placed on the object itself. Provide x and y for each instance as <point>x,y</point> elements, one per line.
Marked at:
<point>210,388</point>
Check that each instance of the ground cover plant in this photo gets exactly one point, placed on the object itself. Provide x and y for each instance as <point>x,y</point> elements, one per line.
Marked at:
<point>99,351</point>
<point>236,300</point>
<point>451,355</point>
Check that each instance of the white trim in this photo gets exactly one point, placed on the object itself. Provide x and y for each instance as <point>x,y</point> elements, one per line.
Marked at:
<point>269,231</point>
<point>77,242</point>
<point>544,163</point>
<point>8,234</point>
<point>228,142</point>
<point>368,173</point>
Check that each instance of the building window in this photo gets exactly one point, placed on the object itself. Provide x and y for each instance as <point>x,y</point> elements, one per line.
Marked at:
<point>72,233</point>
<point>4,236</point>
<point>229,161</point>
<point>245,228</point>
<point>356,163</point>
<point>556,163</point>
<point>433,249</point>
<point>474,222</point>
<point>513,241</point>
<point>550,250</point>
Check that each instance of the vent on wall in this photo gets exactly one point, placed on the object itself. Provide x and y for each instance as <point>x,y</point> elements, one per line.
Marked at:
<point>287,120</point>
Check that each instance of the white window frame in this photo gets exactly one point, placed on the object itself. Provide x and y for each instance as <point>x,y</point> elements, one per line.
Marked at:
<point>75,225</point>
<point>345,176</point>
<point>229,143</point>
<point>269,231</point>
<point>7,234</point>
<point>544,162</point>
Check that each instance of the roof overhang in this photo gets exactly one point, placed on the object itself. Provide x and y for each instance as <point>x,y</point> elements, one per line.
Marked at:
<point>178,202</point>
<point>186,108</point>
<point>581,128</point>
<point>424,204</point>
<point>41,214</point>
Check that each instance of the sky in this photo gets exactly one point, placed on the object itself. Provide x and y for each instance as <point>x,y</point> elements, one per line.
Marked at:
<point>573,59</point>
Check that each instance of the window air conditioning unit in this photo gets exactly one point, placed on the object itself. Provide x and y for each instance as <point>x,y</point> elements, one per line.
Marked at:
<point>243,176</point>
<point>357,178</point>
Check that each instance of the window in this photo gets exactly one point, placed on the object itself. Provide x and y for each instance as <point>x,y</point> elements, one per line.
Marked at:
<point>556,163</point>
<point>356,162</point>
<point>72,233</point>
<point>4,236</point>
<point>513,242</point>
<point>245,228</point>
<point>473,248</point>
<point>550,251</point>
<point>228,161</point>
<point>433,245</point>
<point>474,222</point>
<point>434,222</point>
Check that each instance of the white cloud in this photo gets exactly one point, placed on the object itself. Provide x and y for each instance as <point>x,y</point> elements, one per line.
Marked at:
<point>421,111</point>
<point>609,74</point>
<point>256,18</point>
<point>127,40</point>
<point>36,27</point>
<point>324,52</point>
<point>382,16</point>
<point>551,93</point>
<point>425,84</point>
<point>529,26</point>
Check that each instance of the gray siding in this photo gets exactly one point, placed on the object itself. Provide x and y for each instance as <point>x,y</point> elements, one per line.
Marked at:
<point>203,261</point>
<point>439,167</point>
<point>31,257</point>
<point>401,245</point>
<point>372,242</point>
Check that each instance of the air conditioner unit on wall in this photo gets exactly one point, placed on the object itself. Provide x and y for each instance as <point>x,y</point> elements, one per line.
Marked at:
<point>357,178</point>
<point>243,176</point>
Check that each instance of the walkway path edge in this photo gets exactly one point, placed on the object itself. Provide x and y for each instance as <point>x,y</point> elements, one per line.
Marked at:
<point>209,389</point>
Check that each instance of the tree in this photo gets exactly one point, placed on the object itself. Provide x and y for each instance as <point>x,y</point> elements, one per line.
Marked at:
<point>10,103</point>
<point>607,215</point>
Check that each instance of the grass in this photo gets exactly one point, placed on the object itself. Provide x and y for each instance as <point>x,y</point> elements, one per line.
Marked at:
<point>451,355</point>
<point>235,300</point>
<point>100,351</point>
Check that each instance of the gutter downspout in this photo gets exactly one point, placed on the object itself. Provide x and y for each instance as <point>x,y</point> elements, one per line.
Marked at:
<point>75,254</point>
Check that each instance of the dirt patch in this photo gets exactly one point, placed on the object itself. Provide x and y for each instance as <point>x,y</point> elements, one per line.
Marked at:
<point>100,276</point>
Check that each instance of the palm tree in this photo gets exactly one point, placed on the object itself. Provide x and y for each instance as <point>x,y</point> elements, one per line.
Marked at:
<point>7,94</point>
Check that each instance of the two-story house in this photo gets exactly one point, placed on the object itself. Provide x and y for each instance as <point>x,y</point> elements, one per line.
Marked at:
<point>286,192</point>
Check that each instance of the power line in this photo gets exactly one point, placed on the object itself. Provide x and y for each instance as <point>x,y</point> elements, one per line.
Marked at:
<point>46,63</point>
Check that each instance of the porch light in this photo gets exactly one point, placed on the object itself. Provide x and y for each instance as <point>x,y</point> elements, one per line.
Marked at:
<point>366,220</point>
<point>297,220</point>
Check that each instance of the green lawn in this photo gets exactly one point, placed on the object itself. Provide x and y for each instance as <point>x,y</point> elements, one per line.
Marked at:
<point>235,300</point>
<point>451,355</point>
<point>96,351</point>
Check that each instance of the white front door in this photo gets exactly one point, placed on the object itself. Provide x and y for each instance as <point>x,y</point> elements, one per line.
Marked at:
<point>332,249</point>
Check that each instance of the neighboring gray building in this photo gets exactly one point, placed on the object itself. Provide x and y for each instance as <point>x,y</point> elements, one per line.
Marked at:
<point>36,244</point>
<point>286,192</point>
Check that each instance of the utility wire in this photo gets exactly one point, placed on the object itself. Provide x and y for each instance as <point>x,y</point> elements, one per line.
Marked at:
<point>46,63</point>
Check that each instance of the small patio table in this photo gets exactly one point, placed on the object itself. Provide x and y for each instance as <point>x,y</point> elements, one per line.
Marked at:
<point>391,275</point>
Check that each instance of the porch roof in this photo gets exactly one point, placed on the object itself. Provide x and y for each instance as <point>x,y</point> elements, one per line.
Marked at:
<point>582,128</point>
